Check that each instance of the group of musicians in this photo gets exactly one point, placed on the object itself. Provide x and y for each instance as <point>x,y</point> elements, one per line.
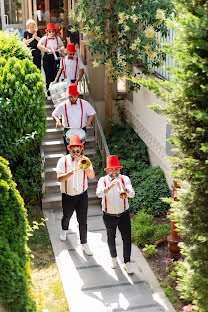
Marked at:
<point>74,169</point>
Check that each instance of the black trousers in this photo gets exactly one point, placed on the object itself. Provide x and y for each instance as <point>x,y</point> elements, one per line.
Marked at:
<point>50,66</point>
<point>123,223</point>
<point>78,203</point>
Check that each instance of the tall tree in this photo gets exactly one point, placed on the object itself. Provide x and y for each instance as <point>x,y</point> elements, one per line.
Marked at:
<point>122,33</point>
<point>187,111</point>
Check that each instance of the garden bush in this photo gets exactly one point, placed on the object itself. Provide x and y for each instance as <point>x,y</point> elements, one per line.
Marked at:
<point>148,182</point>
<point>145,230</point>
<point>11,46</point>
<point>22,115</point>
<point>15,281</point>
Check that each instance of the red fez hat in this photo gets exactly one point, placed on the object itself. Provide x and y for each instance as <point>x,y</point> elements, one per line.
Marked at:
<point>112,163</point>
<point>42,5</point>
<point>72,91</point>
<point>75,141</point>
<point>51,26</point>
<point>71,48</point>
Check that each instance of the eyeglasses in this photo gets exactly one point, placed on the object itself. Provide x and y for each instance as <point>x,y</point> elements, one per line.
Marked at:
<point>75,151</point>
<point>51,31</point>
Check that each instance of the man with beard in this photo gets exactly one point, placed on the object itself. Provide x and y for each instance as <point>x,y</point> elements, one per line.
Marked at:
<point>73,184</point>
<point>76,113</point>
<point>114,189</point>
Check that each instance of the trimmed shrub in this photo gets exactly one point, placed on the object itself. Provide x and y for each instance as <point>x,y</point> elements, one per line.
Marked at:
<point>11,46</point>
<point>22,115</point>
<point>148,182</point>
<point>15,281</point>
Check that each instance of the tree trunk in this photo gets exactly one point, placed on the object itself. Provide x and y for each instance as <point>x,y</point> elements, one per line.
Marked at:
<point>108,101</point>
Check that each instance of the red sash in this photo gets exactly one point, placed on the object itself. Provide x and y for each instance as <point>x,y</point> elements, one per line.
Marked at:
<point>75,75</point>
<point>62,65</point>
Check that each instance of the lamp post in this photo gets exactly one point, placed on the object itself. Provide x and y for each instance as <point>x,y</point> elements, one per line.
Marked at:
<point>173,239</point>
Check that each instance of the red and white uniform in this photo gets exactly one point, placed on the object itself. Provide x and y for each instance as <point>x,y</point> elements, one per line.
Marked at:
<point>71,67</point>
<point>66,164</point>
<point>74,115</point>
<point>111,201</point>
<point>51,43</point>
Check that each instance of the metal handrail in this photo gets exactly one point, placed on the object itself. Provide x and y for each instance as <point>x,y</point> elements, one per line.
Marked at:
<point>99,133</point>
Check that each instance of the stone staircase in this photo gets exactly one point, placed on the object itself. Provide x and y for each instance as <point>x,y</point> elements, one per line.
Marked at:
<point>53,148</point>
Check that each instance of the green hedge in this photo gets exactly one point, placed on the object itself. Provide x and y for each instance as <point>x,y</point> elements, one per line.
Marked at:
<point>149,182</point>
<point>22,114</point>
<point>15,281</point>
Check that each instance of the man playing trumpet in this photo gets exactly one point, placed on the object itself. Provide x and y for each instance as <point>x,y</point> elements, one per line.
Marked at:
<point>73,171</point>
<point>114,189</point>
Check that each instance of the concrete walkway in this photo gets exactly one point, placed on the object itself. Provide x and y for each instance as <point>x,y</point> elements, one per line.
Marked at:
<point>90,284</point>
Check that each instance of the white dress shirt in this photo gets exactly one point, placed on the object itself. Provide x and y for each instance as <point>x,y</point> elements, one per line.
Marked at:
<point>51,43</point>
<point>74,113</point>
<point>115,204</point>
<point>77,183</point>
<point>70,67</point>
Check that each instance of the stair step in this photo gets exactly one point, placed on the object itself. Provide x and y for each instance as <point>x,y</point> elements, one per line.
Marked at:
<point>51,201</point>
<point>49,108</point>
<point>57,145</point>
<point>52,158</point>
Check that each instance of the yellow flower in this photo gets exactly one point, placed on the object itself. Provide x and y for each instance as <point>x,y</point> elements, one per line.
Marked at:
<point>137,41</point>
<point>152,55</point>
<point>91,21</point>
<point>97,28</point>
<point>160,15</point>
<point>133,46</point>
<point>134,18</point>
<point>146,47</point>
<point>95,63</point>
<point>126,28</point>
<point>121,17</point>
<point>150,33</point>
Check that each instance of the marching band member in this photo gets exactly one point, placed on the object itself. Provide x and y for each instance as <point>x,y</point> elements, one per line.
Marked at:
<point>114,189</point>
<point>74,190</point>
<point>50,44</point>
<point>71,66</point>
<point>76,113</point>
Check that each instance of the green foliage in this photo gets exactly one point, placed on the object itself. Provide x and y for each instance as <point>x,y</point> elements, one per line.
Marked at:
<point>149,250</point>
<point>187,111</point>
<point>11,46</point>
<point>22,115</point>
<point>15,281</point>
<point>169,292</point>
<point>146,231</point>
<point>149,182</point>
<point>121,33</point>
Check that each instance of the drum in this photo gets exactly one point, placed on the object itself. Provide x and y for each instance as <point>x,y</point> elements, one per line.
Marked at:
<point>59,92</point>
<point>80,132</point>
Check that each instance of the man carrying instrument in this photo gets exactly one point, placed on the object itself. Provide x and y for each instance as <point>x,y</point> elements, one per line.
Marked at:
<point>71,66</point>
<point>75,112</point>
<point>114,189</point>
<point>73,171</point>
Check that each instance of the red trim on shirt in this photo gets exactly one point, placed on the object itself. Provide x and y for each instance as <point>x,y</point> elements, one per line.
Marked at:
<point>81,111</point>
<point>106,208</point>
<point>84,181</point>
<point>76,68</point>
<point>63,69</point>
<point>65,172</point>
<point>66,115</point>
<point>56,41</point>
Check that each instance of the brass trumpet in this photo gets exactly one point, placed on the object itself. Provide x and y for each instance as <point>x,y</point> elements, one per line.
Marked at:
<point>122,192</point>
<point>84,163</point>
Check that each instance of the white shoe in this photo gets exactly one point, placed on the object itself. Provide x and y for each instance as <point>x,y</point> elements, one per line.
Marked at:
<point>62,235</point>
<point>49,98</point>
<point>128,268</point>
<point>86,249</point>
<point>114,263</point>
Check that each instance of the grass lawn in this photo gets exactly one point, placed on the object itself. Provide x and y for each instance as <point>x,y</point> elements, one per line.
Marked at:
<point>48,289</point>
